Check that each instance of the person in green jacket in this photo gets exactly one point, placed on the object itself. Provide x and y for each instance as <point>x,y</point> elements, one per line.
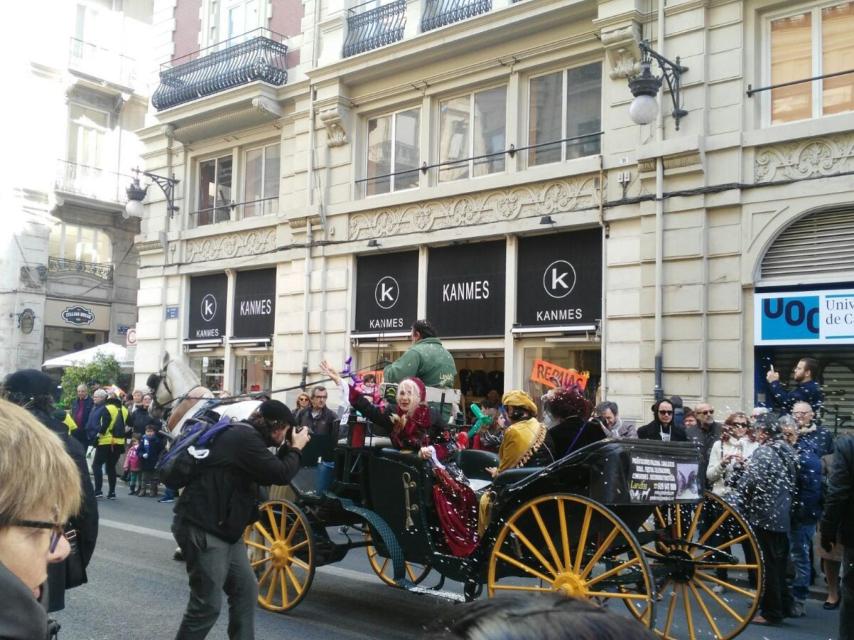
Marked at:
<point>426,359</point>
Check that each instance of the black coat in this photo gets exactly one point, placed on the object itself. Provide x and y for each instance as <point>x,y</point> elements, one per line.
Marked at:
<point>21,616</point>
<point>84,523</point>
<point>139,419</point>
<point>838,518</point>
<point>652,431</point>
<point>222,497</point>
<point>574,433</point>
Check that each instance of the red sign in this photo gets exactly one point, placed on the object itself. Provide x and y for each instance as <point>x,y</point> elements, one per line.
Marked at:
<point>551,375</point>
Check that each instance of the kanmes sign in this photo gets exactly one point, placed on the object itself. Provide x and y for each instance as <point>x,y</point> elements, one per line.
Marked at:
<point>255,304</point>
<point>207,307</point>
<point>386,292</point>
<point>560,279</point>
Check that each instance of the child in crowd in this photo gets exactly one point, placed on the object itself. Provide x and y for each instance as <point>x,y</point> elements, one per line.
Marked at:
<point>132,465</point>
<point>149,451</point>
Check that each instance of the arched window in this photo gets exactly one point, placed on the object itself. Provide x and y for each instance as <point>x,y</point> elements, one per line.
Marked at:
<point>83,244</point>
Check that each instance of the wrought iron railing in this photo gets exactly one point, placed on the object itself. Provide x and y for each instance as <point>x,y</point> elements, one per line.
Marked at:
<point>101,63</point>
<point>438,13</point>
<point>102,270</point>
<point>371,28</point>
<point>91,182</point>
<point>235,62</point>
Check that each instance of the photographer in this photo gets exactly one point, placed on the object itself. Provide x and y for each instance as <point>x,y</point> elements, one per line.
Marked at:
<point>216,506</point>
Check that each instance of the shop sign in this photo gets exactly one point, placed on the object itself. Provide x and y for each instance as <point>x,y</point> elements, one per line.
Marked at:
<point>804,317</point>
<point>654,479</point>
<point>386,292</point>
<point>254,312</point>
<point>207,306</point>
<point>560,279</point>
<point>551,375</point>
<point>466,289</point>
<point>78,315</point>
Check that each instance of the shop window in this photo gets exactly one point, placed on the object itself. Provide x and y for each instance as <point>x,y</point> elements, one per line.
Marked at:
<point>471,127</point>
<point>808,43</point>
<point>83,244</point>
<point>211,372</point>
<point>393,154</point>
<point>255,373</point>
<point>565,114</point>
<point>586,362</point>
<point>261,183</point>
<point>214,195</point>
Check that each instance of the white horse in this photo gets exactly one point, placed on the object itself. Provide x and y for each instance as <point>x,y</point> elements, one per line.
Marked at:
<point>176,386</point>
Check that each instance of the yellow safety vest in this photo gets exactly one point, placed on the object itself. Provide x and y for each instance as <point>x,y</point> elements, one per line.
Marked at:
<point>69,422</point>
<point>107,436</point>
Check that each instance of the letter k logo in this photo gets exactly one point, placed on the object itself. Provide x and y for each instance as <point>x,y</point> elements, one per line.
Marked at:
<point>208,307</point>
<point>559,279</point>
<point>387,292</point>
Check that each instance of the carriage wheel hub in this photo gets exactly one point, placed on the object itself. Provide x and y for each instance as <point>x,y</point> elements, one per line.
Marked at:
<point>680,565</point>
<point>570,585</point>
<point>281,554</point>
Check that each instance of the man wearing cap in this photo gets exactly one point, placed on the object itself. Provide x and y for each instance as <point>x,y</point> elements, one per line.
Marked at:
<point>218,504</point>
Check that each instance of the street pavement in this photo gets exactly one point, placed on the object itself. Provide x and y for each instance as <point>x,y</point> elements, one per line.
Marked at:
<point>137,592</point>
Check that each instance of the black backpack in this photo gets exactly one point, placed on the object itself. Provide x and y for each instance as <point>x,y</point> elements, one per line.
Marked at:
<point>118,430</point>
<point>177,467</point>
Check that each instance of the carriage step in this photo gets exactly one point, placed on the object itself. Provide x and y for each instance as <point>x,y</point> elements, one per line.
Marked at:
<point>387,536</point>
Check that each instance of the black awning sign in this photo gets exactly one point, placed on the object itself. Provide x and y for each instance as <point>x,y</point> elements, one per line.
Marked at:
<point>254,313</point>
<point>560,279</point>
<point>207,306</point>
<point>386,292</point>
<point>465,289</point>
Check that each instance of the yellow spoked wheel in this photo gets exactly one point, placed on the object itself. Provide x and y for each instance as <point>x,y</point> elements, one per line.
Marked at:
<point>382,566</point>
<point>709,587</point>
<point>281,553</point>
<point>574,546</point>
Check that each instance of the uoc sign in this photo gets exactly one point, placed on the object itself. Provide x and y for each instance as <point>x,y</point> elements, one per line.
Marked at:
<point>804,317</point>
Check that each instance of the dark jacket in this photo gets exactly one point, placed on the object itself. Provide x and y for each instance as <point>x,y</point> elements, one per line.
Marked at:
<point>652,431</point>
<point>806,392</point>
<point>222,498</point>
<point>573,433</point>
<point>325,423</point>
<point>97,423</point>
<point>808,494</point>
<point>79,433</point>
<point>820,440</point>
<point>765,490</point>
<point>149,451</point>
<point>139,419</point>
<point>84,523</point>
<point>705,438</point>
<point>838,518</point>
<point>21,616</point>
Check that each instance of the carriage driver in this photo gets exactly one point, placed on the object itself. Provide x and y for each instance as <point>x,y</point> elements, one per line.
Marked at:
<point>219,502</point>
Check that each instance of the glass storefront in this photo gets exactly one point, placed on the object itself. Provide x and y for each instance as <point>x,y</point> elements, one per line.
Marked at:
<point>566,362</point>
<point>59,341</point>
<point>211,371</point>
<point>254,373</point>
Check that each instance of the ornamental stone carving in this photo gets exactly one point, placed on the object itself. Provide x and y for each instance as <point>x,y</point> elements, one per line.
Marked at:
<point>804,159</point>
<point>233,245</point>
<point>524,201</point>
<point>621,45</point>
<point>335,120</point>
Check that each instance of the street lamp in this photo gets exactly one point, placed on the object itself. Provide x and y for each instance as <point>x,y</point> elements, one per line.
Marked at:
<point>136,194</point>
<point>644,87</point>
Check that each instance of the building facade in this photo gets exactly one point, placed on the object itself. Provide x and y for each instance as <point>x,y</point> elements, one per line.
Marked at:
<point>68,256</point>
<point>474,162</point>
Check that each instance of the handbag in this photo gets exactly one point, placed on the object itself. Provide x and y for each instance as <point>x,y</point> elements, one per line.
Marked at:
<point>75,570</point>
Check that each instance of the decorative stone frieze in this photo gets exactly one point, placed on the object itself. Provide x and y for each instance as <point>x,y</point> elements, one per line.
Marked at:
<point>621,45</point>
<point>335,119</point>
<point>489,207</point>
<point>232,245</point>
<point>804,159</point>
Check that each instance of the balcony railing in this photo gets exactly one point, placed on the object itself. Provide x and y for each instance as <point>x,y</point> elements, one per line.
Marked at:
<point>91,182</point>
<point>101,270</point>
<point>101,64</point>
<point>371,28</point>
<point>235,62</point>
<point>439,13</point>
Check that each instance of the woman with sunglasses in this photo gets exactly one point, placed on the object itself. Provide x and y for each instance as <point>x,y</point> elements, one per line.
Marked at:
<point>303,402</point>
<point>39,491</point>
<point>728,455</point>
<point>662,426</point>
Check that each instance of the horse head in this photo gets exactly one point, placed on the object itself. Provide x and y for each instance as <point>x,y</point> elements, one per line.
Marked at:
<point>172,382</point>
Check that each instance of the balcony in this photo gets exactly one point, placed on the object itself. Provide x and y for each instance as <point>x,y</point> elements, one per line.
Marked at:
<point>241,60</point>
<point>91,182</point>
<point>369,29</point>
<point>101,270</point>
<point>440,13</point>
<point>99,63</point>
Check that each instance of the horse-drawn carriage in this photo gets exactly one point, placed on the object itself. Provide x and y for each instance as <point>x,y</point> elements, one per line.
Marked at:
<point>616,521</point>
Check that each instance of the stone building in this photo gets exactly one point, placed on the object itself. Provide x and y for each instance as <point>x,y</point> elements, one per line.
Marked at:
<point>346,168</point>
<point>68,258</point>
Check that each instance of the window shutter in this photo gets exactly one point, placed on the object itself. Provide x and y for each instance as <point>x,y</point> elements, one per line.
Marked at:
<point>819,243</point>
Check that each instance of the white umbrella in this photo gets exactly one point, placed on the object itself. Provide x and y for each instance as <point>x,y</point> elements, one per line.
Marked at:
<point>86,356</point>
